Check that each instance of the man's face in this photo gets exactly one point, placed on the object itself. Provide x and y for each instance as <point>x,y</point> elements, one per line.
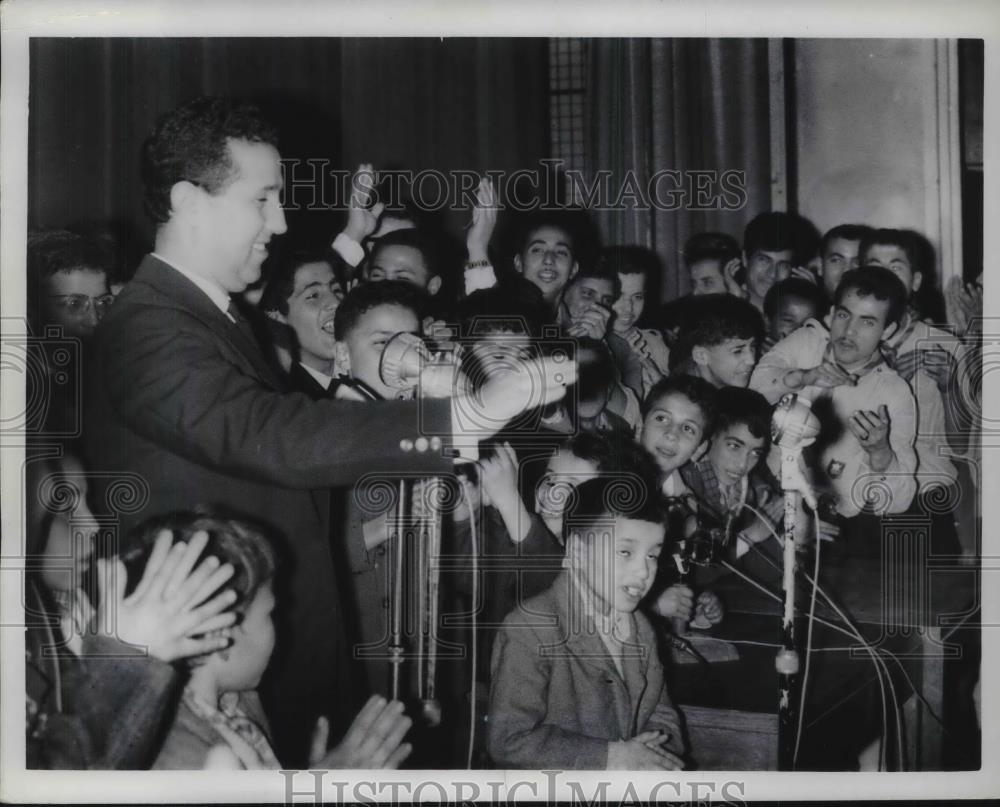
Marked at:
<point>734,453</point>
<point>840,256</point>
<point>500,353</point>
<point>706,277</point>
<point>547,261</point>
<point>563,474</point>
<point>630,303</point>
<point>857,327</point>
<point>76,300</point>
<point>399,262</point>
<point>789,317</point>
<point>764,269</point>
<point>314,301</point>
<point>586,293</point>
<point>231,229</point>
<point>69,543</point>
<point>894,259</point>
<point>728,364</point>
<point>673,431</point>
<point>361,351</point>
<point>626,560</point>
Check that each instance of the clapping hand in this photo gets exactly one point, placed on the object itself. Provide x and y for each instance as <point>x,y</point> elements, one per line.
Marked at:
<point>374,740</point>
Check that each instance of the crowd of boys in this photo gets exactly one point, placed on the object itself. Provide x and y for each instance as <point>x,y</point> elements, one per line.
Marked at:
<point>562,410</point>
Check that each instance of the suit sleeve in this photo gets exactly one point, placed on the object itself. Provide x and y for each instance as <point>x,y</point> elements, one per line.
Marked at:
<point>172,383</point>
<point>518,736</point>
<point>116,705</point>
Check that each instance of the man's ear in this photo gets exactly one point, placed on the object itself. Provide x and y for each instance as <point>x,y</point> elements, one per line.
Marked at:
<point>828,318</point>
<point>918,278</point>
<point>342,357</point>
<point>574,269</point>
<point>434,285</point>
<point>889,330</point>
<point>700,355</point>
<point>183,195</point>
<point>518,266</point>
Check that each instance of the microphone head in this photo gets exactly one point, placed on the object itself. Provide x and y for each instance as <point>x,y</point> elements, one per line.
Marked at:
<point>402,358</point>
<point>793,424</point>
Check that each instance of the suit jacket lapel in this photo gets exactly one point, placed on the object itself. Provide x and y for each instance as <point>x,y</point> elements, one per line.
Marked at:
<point>586,644</point>
<point>189,298</point>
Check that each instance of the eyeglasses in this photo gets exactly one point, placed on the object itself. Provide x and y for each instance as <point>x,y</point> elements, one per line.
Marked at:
<point>78,305</point>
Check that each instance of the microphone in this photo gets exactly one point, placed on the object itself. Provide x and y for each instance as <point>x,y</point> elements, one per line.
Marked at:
<point>402,359</point>
<point>793,427</point>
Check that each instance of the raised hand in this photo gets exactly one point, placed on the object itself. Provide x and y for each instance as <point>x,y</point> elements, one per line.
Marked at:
<point>591,323</point>
<point>708,610</point>
<point>484,220</point>
<point>676,602</point>
<point>963,305</point>
<point>827,375</point>
<point>499,476</point>
<point>804,273</point>
<point>729,277</point>
<point>374,740</point>
<point>362,219</point>
<point>170,612</point>
<point>871,429</point>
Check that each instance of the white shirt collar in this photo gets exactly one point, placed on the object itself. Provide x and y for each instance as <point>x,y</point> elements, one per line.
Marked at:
<point>218,295</point>
<point>323,379</point>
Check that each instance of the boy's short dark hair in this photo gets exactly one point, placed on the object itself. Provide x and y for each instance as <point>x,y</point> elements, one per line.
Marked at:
<point>514,305</point>
<point>713,318</point>
<point>601,270</point>
<point>362,299</point>
<point>605,497</point>
<point>777,231</point>
<point>737,406</point>
<point>877,282</point>
<point>710,246</point>
<point>794,288</point>
<point>281,282</point>
<point>697,390</point>
<point>564,219</point>
<point>191,143</point>
<point>848,232</point>
<point>632,260</point>
<point>420,240</point>
<point>231,539</point>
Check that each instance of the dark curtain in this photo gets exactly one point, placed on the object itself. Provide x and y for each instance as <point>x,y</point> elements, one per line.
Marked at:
<point>683,104</point>
<point>413,103</point>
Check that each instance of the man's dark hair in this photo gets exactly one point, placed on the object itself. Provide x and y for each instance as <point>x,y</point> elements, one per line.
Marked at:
<point>794,288</point>
<point>421,241</point>
<point>367,296</point>
<point>740,406</point>
<point>632,260</point>
<point>595,501</point>
<point>877,282</point>
<point>710,246</point>
<point>918,252</point>
<point>695,389</point>
<point>768,232</point>
<point>564,219</point>
<point>281,282</point>
<point>713,318</point>
<point>54,251</point>
<point>191,143</point>
<point>601,270</point>
<point>231,539</point>
<point>514,305</point>
<point>849,232</point>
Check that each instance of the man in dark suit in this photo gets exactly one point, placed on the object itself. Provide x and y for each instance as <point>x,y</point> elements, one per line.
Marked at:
<point>180,396</point>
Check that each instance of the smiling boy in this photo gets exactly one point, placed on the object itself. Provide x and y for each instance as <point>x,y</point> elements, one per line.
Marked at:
<point>719,339</point>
